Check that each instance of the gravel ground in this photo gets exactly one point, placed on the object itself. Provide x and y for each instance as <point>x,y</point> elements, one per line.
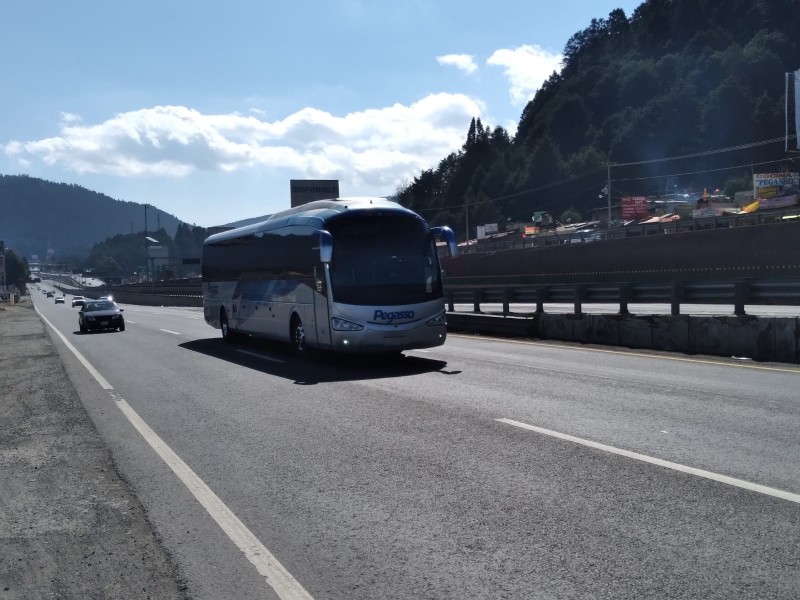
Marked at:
<point>69,526</point>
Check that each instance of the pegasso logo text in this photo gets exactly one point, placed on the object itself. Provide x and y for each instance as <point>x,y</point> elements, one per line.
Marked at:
<point>391,316</point>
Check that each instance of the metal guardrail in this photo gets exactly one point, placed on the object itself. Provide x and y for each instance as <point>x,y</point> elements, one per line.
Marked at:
<point>784,292</point>
<point>778,292</point>
<point>737,293</point>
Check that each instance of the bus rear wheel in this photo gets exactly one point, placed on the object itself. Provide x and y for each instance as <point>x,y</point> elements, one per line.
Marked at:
<point>227,335</point>
<point>298,337</point>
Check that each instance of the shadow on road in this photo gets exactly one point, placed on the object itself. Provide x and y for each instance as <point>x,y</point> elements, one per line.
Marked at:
<point>277,359</point>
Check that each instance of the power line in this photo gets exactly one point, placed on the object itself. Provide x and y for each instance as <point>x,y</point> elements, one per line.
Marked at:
<point>705,153</point>
<point>522,192</point>
<point>768,162</point>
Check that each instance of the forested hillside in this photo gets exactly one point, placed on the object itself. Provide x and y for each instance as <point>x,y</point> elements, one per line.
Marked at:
<point>124,254</point>
<point>677,77</point>
<point>37,215</point>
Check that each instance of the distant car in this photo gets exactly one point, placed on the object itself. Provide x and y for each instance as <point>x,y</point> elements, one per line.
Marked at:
<point>100,314</point>
<point>50,294</point>
<point>78,301</point>
<point>59,299</point>
<point>107,297</point>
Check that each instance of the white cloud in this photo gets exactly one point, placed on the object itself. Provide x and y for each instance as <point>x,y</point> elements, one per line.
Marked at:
<point>70,118</point>
<point>376,146</point>
<point>526,68</point>
<point>463,62</point>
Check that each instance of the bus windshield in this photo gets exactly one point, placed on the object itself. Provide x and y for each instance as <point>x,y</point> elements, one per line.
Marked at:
<point>383,262</point>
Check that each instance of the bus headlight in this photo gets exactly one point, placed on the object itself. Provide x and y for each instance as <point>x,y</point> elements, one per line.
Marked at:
<point>343,325</point>
<point>438,321</point>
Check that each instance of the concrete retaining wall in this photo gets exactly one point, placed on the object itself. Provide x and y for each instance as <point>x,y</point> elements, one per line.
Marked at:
<point>759,338</point>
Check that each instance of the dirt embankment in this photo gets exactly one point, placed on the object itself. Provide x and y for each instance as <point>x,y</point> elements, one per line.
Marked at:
<point>69,526</point>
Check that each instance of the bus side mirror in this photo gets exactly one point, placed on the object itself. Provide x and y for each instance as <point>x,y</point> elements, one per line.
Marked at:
<point>448,236</point>
<point>325,246</point>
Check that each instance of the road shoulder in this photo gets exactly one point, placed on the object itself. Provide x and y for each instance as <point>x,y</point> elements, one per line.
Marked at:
<point>69,525</point>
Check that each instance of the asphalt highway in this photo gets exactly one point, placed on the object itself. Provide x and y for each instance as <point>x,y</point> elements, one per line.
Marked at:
<point>485,468</point>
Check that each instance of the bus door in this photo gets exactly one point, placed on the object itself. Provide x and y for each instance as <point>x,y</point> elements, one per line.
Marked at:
<point>245,305</point>
<point>321,300</point>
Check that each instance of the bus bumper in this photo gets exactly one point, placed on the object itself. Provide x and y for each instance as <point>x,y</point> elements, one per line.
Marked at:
<point>387,341</point>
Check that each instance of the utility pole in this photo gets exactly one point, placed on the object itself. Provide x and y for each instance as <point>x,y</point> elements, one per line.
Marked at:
<point>146,266</point>
<point>608,194</point>
<point>466,212</point>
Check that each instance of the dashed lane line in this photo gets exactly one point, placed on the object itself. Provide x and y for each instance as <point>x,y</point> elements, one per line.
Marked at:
<point>740,483</point>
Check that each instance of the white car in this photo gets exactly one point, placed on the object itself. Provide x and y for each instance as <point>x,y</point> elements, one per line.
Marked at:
<point>78,301</point>
<point>59,299</point>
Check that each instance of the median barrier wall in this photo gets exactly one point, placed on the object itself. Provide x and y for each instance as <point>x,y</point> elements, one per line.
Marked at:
<point>127,297</point>
<point>759,338</point>
<point>156,299</point>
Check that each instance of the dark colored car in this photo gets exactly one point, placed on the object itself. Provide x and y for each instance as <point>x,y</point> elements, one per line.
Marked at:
<point>50,294</point>
<point>100,314</point>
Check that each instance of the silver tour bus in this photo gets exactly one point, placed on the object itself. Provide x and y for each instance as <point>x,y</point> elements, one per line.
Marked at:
<point>346,275</point>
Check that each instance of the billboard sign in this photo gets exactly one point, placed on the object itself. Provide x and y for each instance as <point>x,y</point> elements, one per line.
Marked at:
<point>770,185</point>
<point>308,190</point>
<point>634,207</point>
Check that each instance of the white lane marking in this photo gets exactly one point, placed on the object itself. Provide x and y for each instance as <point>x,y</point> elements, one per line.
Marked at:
<point>420,350</point>
<point>168,331</point>
<point>277,360</point>
<point>286,586</point>
<point>126,322</point>
<point>278,578</point>
<point>92,371</point>
<point>747,485</point>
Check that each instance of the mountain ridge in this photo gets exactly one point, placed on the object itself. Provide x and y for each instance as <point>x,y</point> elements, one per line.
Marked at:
<point>40,215</point>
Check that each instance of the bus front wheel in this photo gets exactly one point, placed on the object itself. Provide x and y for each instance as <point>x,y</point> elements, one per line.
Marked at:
<point>299,337</point>
<point>227,334</point>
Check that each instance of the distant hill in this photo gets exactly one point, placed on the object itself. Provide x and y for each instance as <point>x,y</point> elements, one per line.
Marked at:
<point>37,215</point>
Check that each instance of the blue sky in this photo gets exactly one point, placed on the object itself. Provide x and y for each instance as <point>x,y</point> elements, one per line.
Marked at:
<point>207,109</point>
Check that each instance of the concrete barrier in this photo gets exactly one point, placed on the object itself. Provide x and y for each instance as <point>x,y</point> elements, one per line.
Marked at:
<point>759,338</point>
<point>143,298</point>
